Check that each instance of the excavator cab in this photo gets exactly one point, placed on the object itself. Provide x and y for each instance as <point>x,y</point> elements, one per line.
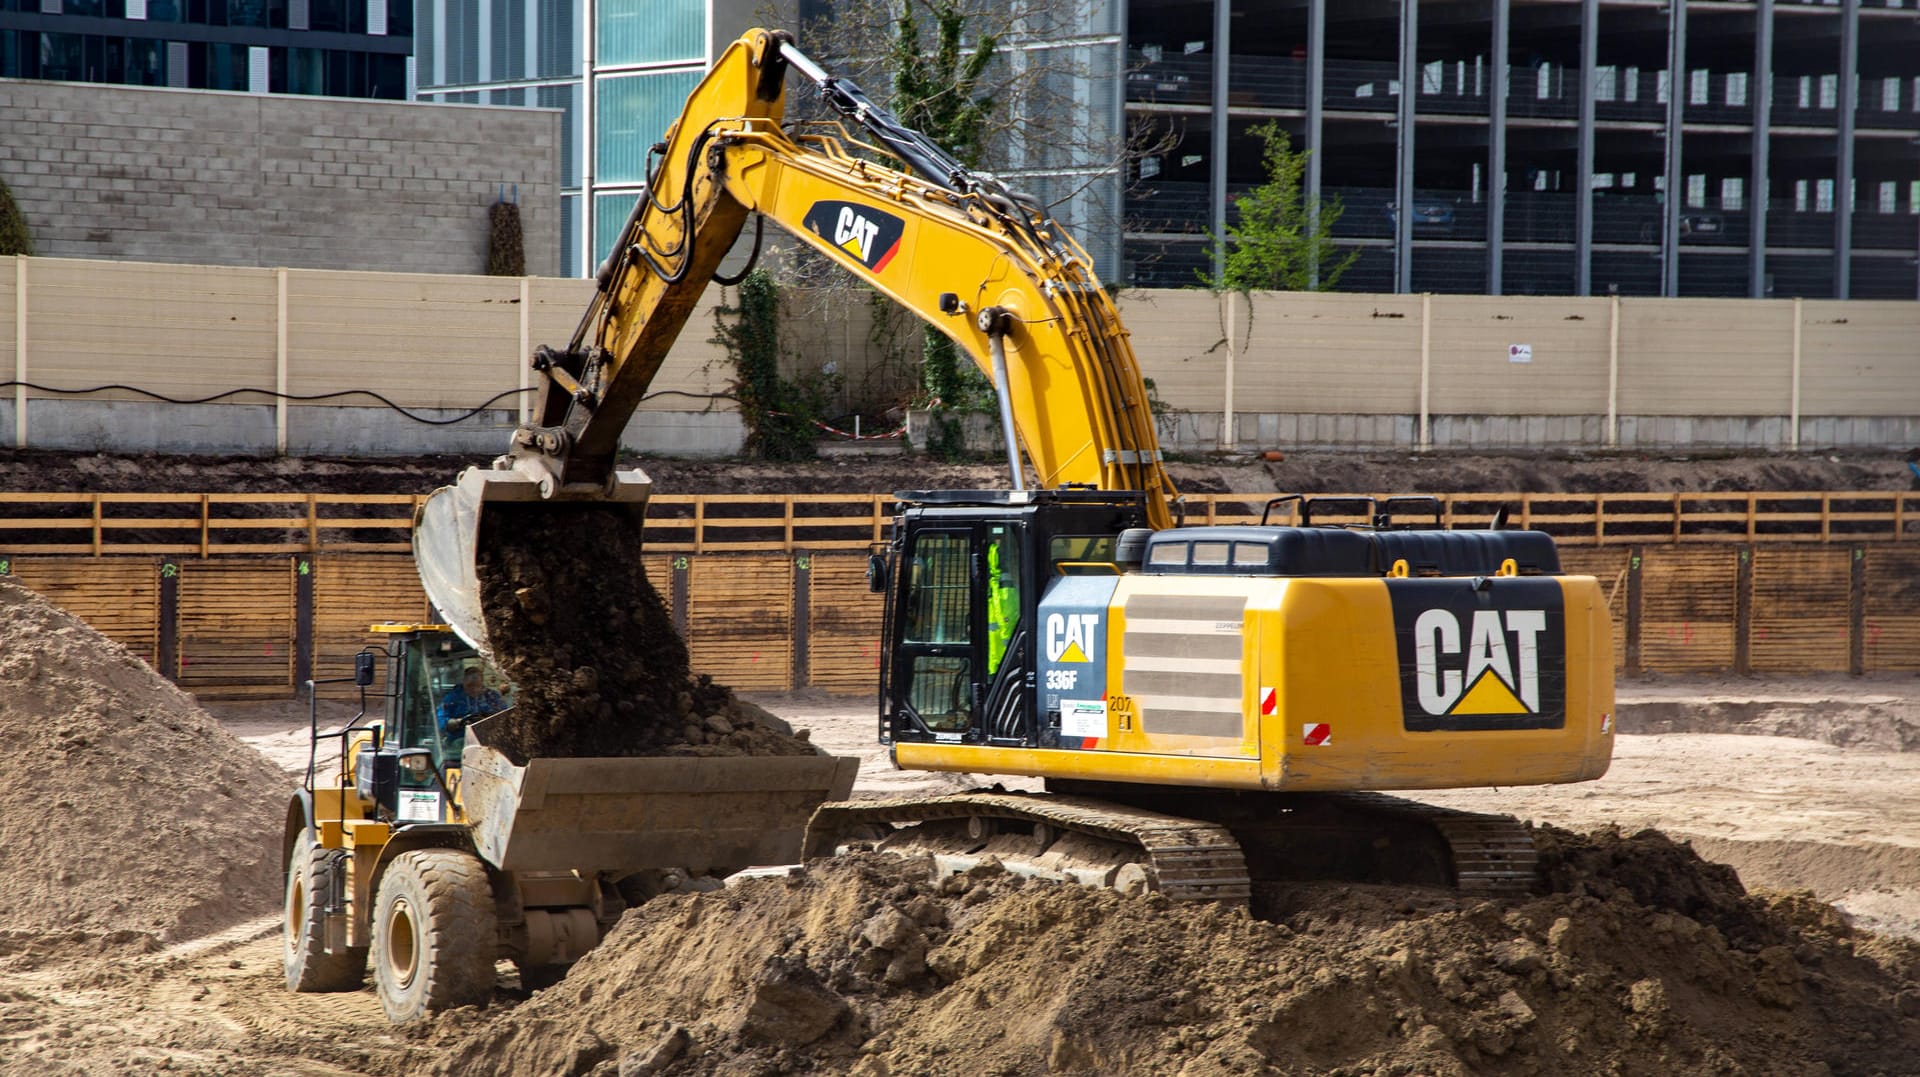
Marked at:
<point>970,568</point>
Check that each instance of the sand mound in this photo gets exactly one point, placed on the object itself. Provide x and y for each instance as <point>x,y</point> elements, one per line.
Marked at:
<point>1642,959</point>
<point>578,627</point>
<point>123,805</point>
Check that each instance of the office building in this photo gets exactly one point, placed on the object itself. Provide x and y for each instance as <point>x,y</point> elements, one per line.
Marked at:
<point>335,48</point>
<point>1758,148</point>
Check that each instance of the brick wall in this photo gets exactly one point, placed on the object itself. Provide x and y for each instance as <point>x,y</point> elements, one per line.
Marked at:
<point>257,180</point>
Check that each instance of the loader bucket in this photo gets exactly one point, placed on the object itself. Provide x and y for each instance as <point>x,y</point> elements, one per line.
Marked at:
<point>448,530</point>
<point>621,815</point>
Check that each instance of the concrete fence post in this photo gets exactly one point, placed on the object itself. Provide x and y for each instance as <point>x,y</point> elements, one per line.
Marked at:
<point>526,349</point>
<point>1227,432</point>
<point>20,351</point>
<point>1426,364</point>
<point>280,362</point>
<point>1613,373</point>
<point>1793,396</point>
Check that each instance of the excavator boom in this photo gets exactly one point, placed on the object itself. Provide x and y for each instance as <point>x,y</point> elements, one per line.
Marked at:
<point>979,261</point>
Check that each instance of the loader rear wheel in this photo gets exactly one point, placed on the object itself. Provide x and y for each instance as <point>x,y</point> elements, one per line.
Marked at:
<point>310,882</point>
<point>433,934</point>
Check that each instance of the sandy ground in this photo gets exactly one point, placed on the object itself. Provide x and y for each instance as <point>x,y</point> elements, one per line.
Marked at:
<point>1837,815</point>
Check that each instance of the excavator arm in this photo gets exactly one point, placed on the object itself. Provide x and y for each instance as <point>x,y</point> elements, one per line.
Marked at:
<point>977,260</point>
<point>974,258</point>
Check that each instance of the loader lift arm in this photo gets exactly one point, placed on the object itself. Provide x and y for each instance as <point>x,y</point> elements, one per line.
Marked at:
<point>954,245</point>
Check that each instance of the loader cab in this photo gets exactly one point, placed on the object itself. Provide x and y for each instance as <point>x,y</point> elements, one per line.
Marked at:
<point>967,573</point>
<point>431,674</point>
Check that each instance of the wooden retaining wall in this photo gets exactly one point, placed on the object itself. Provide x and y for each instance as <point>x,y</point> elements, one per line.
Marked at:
<point>259,626</point>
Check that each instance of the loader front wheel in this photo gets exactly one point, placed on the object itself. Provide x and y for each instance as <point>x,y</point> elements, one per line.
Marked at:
<point>434,940</point>
<point>310,883</point>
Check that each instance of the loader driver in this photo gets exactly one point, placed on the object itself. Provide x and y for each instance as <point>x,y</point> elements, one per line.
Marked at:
<point>473,701</point>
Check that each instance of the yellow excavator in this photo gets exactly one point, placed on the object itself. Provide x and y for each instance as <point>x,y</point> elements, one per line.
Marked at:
<point>1210,708</point>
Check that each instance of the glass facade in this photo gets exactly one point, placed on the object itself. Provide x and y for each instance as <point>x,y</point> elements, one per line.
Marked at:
<point>648,55</point>
<point>348,48</point>
<point>650,32</point>
<point>1728,177</point>
<point>633,113</point>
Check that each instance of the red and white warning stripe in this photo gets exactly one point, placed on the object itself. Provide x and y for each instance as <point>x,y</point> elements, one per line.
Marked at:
<point>1269,700</point>
<point>1317,734</point>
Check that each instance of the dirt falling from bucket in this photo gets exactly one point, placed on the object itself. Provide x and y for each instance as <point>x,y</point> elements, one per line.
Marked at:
<point>576,624</point>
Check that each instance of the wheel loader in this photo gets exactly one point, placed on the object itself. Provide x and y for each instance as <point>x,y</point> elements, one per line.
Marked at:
<point>430,856</point>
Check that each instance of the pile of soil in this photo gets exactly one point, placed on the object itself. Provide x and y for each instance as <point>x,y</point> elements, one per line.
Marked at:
<point>1640,958</point>
<point>123,805</point>
<point>574,621</point>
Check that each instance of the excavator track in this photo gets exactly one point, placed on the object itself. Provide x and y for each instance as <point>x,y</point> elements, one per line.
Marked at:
<point>1492,854</point>
<point>1190,859</point>
<point>1210,847</point>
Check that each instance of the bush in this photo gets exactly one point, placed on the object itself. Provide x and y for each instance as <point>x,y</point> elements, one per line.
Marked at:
<point>14,236</point>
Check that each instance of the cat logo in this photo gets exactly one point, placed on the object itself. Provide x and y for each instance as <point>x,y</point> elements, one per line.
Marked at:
<point>1471,659</point>
<point>1071,636</point>
<point>867,234</point>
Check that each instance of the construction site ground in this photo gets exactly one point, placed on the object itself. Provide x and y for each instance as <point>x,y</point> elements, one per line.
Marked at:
<point>1834,810</point>
<point>1799,784</point>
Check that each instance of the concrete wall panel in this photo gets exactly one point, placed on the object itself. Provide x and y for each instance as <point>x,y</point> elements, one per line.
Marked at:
<point>1695,356</point>
<point>1471,371</point>
<point>1331,353</point>
<point>1860,358</point>
<point>183,331</point>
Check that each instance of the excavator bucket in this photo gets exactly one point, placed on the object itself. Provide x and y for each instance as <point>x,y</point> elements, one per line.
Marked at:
<point>448,530</point>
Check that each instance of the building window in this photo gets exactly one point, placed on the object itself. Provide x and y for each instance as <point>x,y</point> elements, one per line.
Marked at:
<point>610,213</point>
<point>1661,79</point>
<point>1632,87</point>
<point>632,113</point>
<point>1606,84</point>
<point>1889,95</point>
<point>1699,87</point>
<point>1433,78</point>
<point>1800,196</point>
<point>1737,89</point>
<point>650,31</point>
<point>1696,191</point>
<point>1823,196</point>
<point>1733,194</point>
<point>1889,197</point>
<point>1829,90</point>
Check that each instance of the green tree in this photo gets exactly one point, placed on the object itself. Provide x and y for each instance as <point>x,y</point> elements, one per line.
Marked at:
<point>14,236</point>
<point>1276,242</point>
<point>938,92</point>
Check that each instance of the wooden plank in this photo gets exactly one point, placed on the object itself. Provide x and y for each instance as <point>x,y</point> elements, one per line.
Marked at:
<point>1800,610</point>
<point>350,593</point>
<point>236,623</point>
<point>1891,639</point>
<point>120,599</point>
<point>740,620</point>
<point>1688,609</point>
<point>1608,564</point>
<point>844,620</point>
